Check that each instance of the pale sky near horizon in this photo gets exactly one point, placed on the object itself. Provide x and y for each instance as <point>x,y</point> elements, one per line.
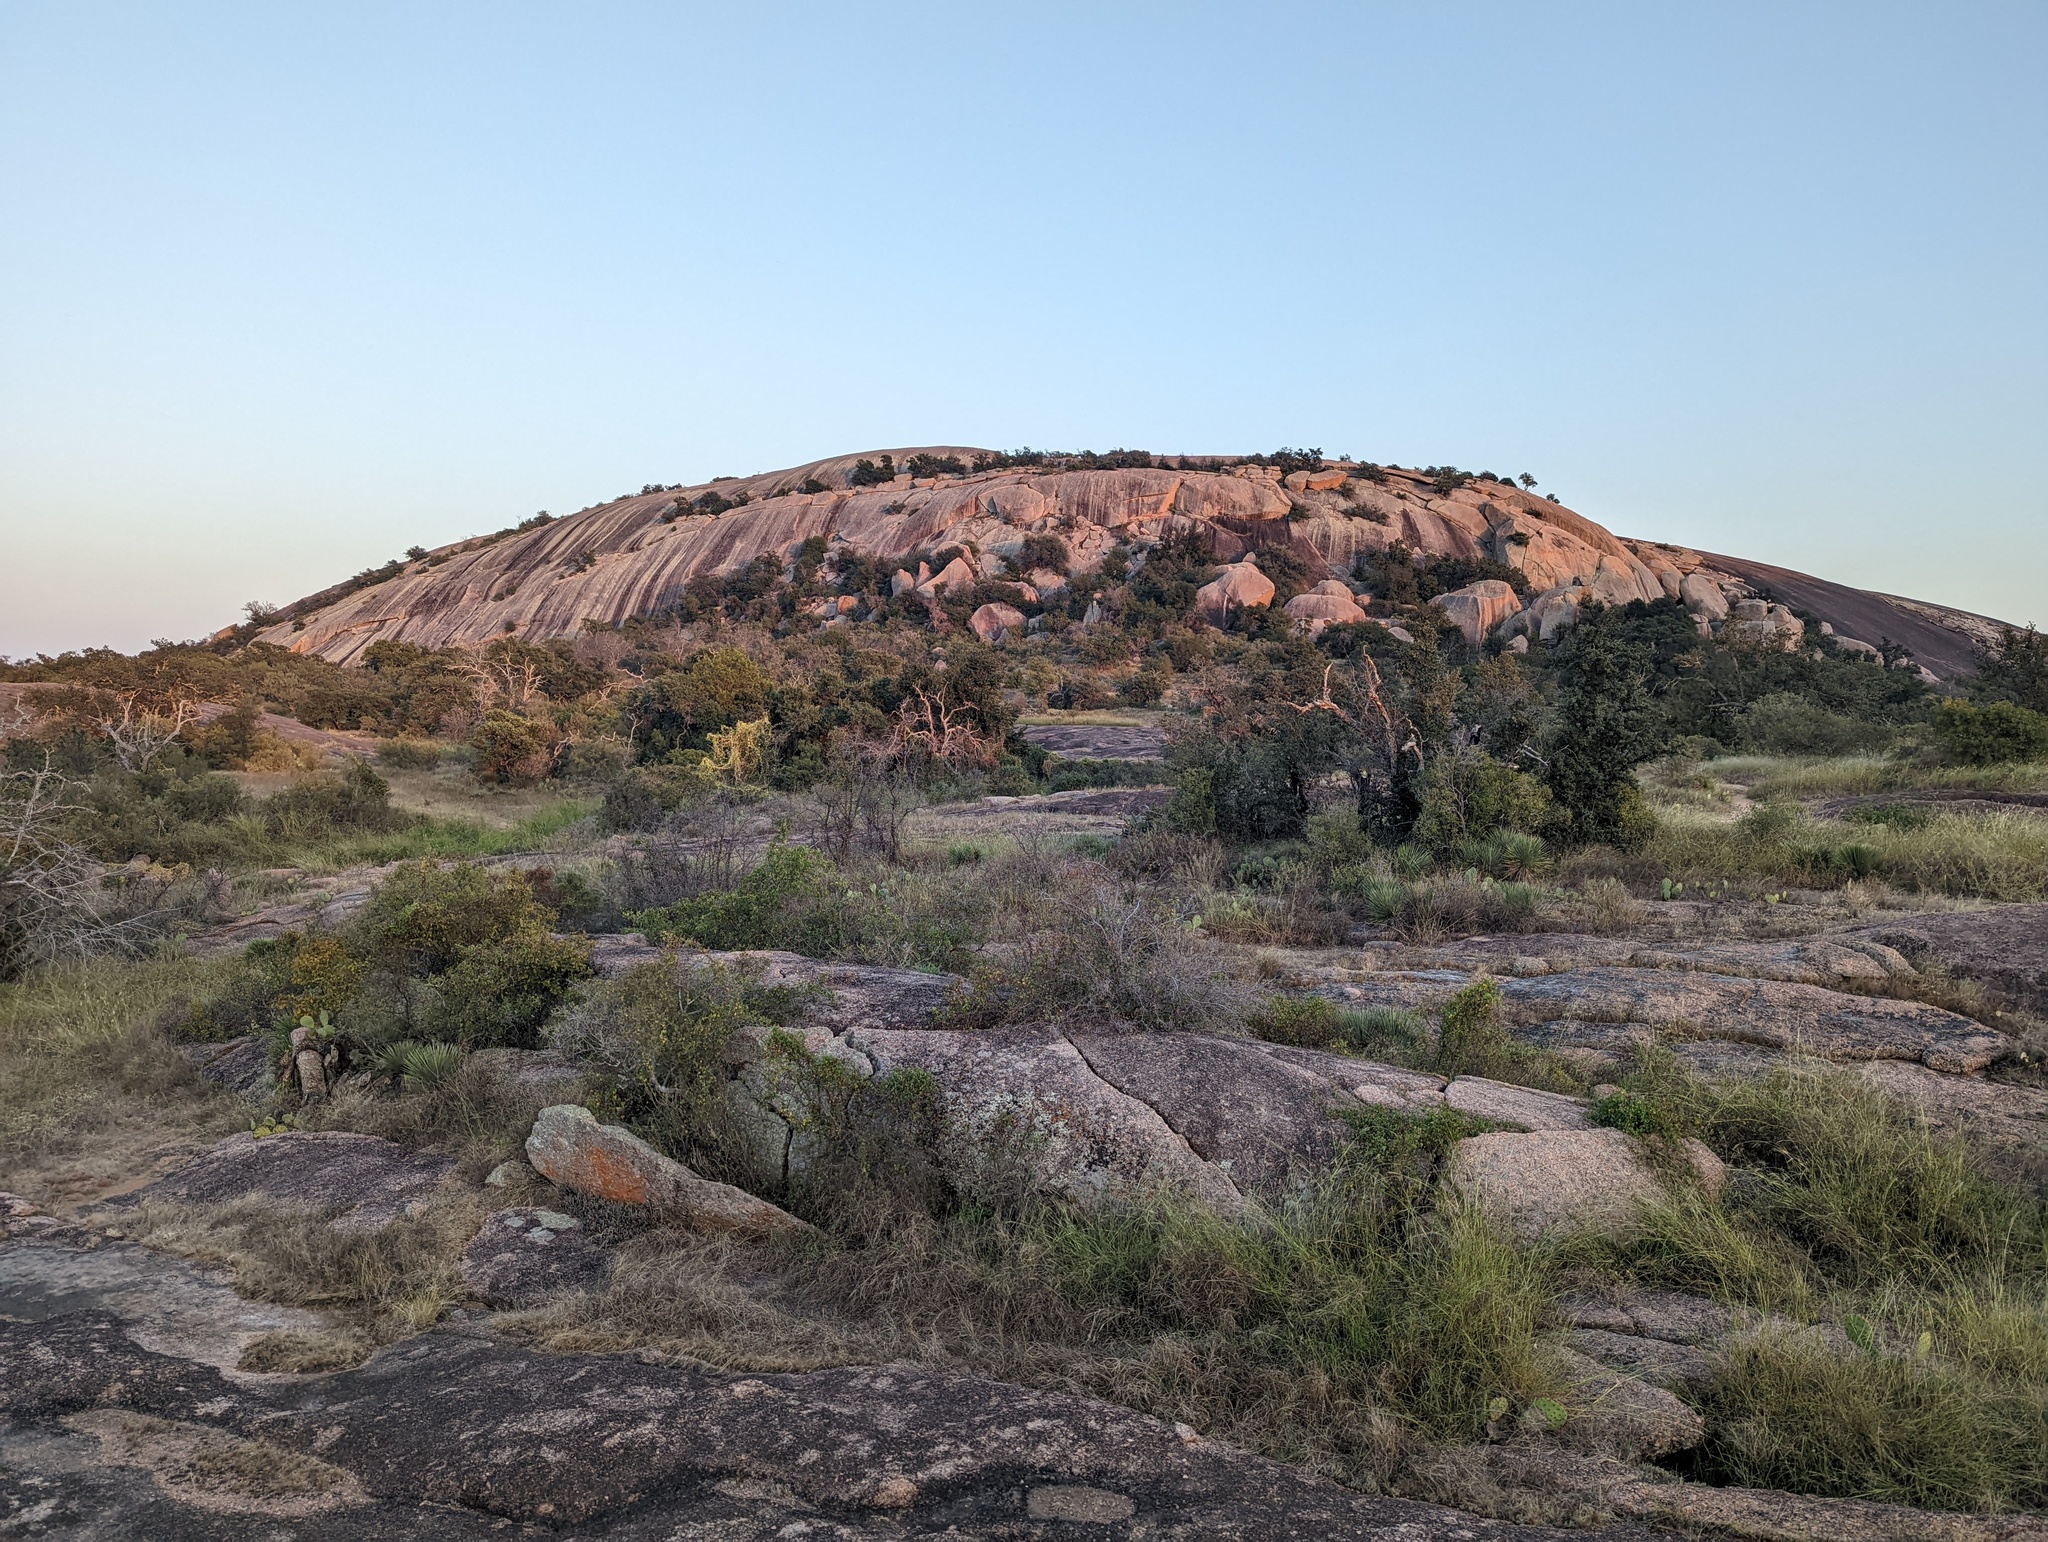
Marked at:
<point>287,289</point>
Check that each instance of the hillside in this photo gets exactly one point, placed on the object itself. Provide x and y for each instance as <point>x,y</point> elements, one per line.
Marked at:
<point>636,555</point>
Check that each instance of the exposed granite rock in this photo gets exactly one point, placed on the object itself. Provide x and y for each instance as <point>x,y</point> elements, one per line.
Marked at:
<point>1090,741</point>
<point>361,1181</point>
<point>1476,609</point>
<point>1253,1115</point>
<point>244,1065</point>
<point>168,1305</point>
<point>523,1255</point>
<point>1558,1180</point>
<point>1088,1138</point>
<point>1774,1014</point>
<point>1527,1107</point>
<point>1239,586</point>
<point>993,622</point>
<point>453,1433</point>
<point>1612,1412</point>
<point>2006,947</point>
<point>570,1148</point>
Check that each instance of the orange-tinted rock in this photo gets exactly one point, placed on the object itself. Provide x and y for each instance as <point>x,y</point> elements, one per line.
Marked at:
<point>1316,611</point>
<point>1478,608</point>
<point>992,622</point>
<point>570,1148</point>
<point>647,548</point>
<point>1237,586</point>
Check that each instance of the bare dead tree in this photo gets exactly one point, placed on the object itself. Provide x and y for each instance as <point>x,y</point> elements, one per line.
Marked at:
<point>55,899</point>
<point>930,728</point>
<point>141,724</point>
<point>867,792</point>
<point>501,677</point>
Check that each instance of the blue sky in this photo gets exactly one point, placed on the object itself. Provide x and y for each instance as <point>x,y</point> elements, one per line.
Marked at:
<point>287,289</point>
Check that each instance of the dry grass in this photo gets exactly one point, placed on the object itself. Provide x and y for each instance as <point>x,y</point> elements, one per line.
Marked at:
<point>92,1092</point>
<point>379,1285</point>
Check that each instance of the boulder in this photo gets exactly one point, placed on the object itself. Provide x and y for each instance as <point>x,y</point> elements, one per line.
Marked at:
<point>992,623</point>
<point>1085,1138</point>
<point>524,1254</point>
<point>1259,1119</point>
<point>1609,1412</point>
<point>1238,586</point>
<point>1314,611</point>
<point>1702,596</point>
<point>570,1148</point>
<point>244,1065</point>
<point>1551,1181</point>
<point>1478,608</point>
<point>1505,1103</point>
<point>957,574</point>
<point>1317,481</point>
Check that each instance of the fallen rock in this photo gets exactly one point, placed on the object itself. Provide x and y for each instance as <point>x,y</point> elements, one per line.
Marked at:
<point>1239,586</point>
<point>1504,1103</point>
<point>1477,608</point>
<point>1655,1360</point>
<point>1316,611</point>
<point>1610,1412</point>
<point>1703,597</point>
<point>363,1180</point>
<point>1559,1180</point>
<point>523,1255</point>
<point>993,622</point>
<point>570,1148</point>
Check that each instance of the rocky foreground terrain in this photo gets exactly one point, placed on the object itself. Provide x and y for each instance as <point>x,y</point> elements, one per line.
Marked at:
<point>634,556</point>
<point>136,1401</point>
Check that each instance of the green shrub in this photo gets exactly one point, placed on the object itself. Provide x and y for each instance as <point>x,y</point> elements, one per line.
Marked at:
<point>656,1039</point>
<point>1990,735</point>
<point>1382,1031</point>
<point>1790,724</point>
<point>409,754</point>
<point>1787,1411</point>
<point>513,749</point>
<point>1629,1111</point>
<point>796,899</point>
<point>1469,1033</point>
<point>1307,1022</point>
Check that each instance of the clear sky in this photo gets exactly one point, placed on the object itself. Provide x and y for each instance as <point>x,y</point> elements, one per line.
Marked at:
<point>285,289</point>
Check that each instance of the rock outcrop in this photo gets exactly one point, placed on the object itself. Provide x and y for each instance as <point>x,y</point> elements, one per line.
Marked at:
<point>459,1435</point>
<point>570,1148</point>
<point>1477,609</point>
<point>360,1181</point>
<point>1549,1181</point>
<point>633,557</point>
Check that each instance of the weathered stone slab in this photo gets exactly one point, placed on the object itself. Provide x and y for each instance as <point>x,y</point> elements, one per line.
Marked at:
<point>365,1180</point>
<point>524,1254</point>
<point>570,1148</point>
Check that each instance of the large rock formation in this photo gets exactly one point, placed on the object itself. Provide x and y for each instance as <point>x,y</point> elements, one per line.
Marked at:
<point>633,556</point>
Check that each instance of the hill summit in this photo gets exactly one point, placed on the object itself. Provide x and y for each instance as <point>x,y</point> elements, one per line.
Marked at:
<point>645,554</point>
